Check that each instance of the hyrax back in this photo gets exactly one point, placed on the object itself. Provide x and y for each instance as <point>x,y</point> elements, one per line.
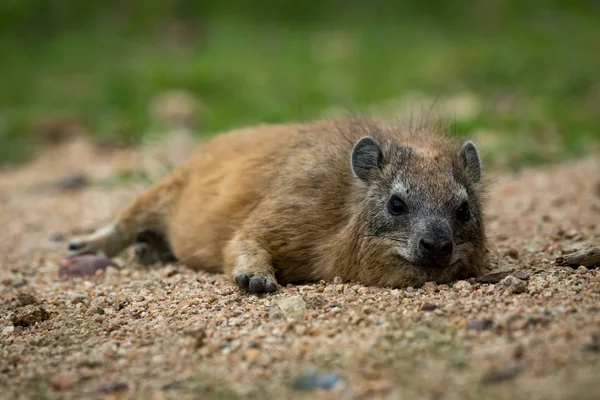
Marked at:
<point>371,203</point>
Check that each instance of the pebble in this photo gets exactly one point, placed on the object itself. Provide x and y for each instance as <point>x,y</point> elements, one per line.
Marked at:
<point>8,330</point>
<point>428,307</point>
<point>85,265</point>
<point>592,343</point>
<point>520,274</point>
<point>251,355</point>
<point>111,388</point>
<point>29,315</point>
<point>73,182</point>
<point>315,300</point>
<point>514,284</point>
<point>63,381</point>
<point>57,237</point>
<point>311,380</point>
<point>503,374</point>
<point>513,253</point>
<point>291,307</point>
<point>460,285</point>
<point>497,276</point>
<point>25,299</point>
<point>430,287</point>
<point>480,325</point>
<point>582,269</point>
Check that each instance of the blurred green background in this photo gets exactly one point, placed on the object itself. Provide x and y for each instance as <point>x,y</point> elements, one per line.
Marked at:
<point>522,76</point>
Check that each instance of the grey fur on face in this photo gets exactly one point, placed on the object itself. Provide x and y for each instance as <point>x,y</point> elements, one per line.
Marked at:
<point>437,226</point>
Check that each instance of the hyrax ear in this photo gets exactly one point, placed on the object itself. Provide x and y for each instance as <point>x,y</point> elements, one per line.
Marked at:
<point>367,158</point>
<point>469,157</point>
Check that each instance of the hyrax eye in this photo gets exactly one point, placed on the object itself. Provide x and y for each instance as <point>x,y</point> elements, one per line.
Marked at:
<point>463,213</point>
<point>396,206</point>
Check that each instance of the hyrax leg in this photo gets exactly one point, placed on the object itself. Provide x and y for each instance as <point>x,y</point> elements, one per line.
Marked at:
<point>249,264</point>
<point>148,212</point>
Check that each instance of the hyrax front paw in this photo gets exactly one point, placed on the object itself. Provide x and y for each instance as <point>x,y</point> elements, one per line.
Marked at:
<point>107,241</point>
<point>152,248</point>
<point>256,282</point>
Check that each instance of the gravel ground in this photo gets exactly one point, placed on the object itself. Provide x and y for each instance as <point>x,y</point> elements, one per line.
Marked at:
<point>168,332</point>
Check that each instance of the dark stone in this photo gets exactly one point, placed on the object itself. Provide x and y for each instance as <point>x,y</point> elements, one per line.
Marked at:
<point>428,307</point>
<point>480,325</point>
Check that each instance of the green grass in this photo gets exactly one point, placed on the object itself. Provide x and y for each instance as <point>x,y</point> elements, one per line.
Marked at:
<point>534,84</point>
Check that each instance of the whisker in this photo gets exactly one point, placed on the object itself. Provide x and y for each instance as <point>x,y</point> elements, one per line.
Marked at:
<point>386,237</point>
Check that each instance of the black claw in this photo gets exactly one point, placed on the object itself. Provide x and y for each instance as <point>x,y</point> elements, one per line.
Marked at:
<point>242,280</point>
<point>256,284</point>
<point>270,287</point>
<point>141,249</point>
<point>76,246</point>
<point>142,236</point>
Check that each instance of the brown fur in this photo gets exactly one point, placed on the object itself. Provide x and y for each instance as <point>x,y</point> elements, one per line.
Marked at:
<point>282,199</point>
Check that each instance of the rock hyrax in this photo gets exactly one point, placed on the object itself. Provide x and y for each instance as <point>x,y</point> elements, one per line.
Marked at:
<point>373,203</point>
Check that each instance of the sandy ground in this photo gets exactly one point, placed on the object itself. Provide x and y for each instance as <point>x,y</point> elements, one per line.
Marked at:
<point>168,332</point>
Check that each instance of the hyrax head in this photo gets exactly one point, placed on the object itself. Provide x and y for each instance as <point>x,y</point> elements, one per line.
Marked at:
<point>422,209</point>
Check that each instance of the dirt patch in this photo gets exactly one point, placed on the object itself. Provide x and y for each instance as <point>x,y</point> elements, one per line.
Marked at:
<point>172,333</point>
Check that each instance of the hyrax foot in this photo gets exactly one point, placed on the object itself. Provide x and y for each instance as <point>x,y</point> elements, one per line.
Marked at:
<point>151,248</point>
<point>108,241</point>
<point>257,282</point>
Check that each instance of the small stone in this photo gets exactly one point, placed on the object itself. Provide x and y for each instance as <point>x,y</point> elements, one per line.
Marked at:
<point>291,307</point>
<point>493,277</point>
<point>571,234</point>
<point>339,288</point>
<point>300,329</point>
<point>19,283</point>
<point>503,374</point>
<point>8,330</point>
<point>428,307</point>
<point>582,269</point>
<point>25,299</point>
<point>73,182</point>
<point>85,265</point>
<point>99,318</point>
<point>199,335</point>
<point>312,380</point>
<point>480,325</point>
<point>63,381</point>
<point>460,285</point>
<point>520,274</point>
<point>337,280</point>
<point>430,287</point>
<point>548,293</point>
<point>29,315</point>
<point>110,388</point>
<point>514,284</point>
<point>315,300</point>
<point>79,299</point>
<point>513,253</point>
<point>410,289</point>
<point>251,355</point>
<point>592,343</point>
<point>518,351</point>
<point>57,237</point>
<point>366,310</point>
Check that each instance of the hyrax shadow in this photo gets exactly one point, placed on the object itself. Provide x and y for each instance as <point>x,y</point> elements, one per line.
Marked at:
<point>373,203</point>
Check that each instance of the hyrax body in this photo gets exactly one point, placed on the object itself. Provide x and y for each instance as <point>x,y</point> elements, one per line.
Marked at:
<point>371,203</point>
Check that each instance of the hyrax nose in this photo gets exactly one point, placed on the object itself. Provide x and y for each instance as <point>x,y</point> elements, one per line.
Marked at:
<point>435,248</point>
